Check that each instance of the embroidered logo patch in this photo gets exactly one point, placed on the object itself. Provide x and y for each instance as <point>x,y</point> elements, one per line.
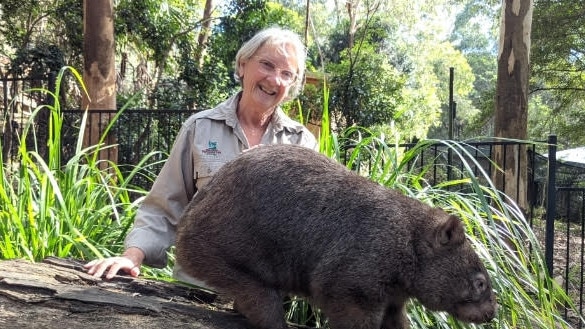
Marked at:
<point>211,149</point>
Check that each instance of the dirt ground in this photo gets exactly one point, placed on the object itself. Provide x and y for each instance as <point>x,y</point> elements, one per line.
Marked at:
<point>58,294</point>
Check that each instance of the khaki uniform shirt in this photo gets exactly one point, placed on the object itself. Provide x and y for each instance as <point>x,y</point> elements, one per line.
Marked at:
<point>206,141</point>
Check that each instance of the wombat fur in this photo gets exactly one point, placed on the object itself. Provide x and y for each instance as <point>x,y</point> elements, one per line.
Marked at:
<point>285,219</point>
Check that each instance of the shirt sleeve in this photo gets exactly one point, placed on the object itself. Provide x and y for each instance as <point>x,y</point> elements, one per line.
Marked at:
<point>309,140</point>
<point>155,223</point>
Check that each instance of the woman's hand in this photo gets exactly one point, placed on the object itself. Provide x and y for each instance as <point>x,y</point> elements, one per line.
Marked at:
<point>128,262</point>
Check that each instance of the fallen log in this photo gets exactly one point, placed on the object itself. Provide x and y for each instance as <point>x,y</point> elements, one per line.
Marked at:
<point>58,294</point>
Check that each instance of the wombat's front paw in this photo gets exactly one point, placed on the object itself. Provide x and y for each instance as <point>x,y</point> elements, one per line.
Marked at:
<point>266,316</point>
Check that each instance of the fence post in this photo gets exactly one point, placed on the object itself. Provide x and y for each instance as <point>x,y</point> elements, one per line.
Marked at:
<point>551,202</point>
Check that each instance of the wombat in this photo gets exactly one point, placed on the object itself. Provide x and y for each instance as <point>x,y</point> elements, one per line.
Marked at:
<point>285,219</point>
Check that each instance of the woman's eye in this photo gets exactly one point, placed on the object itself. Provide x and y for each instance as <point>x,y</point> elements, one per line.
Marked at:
<point>267,65</point>
<point>288,75</point>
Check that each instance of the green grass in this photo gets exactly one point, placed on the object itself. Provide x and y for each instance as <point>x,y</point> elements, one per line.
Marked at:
<point>496,227</point>
<point>78,209</point>
<point>72,209</point>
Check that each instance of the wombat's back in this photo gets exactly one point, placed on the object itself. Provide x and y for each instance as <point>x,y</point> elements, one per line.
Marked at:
<point>281,209</point>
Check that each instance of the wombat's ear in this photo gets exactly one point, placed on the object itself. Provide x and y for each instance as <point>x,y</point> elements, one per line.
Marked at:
<point>451,232</point>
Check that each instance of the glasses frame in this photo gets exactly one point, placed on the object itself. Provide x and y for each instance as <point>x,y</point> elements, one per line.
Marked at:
<point>268,67</point>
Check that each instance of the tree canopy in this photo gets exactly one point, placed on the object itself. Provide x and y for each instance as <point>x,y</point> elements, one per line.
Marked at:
<point>386,63</point>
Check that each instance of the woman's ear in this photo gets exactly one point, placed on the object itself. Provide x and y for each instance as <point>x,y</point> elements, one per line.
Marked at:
<point>240,72</point>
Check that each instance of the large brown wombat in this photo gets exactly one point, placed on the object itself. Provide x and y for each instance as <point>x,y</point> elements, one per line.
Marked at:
<point>285,219</point>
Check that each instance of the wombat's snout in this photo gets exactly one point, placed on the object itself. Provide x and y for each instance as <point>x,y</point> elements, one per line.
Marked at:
<point>481,306</point>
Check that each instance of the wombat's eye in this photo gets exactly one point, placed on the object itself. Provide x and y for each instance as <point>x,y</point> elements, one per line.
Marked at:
<point>480,283</point>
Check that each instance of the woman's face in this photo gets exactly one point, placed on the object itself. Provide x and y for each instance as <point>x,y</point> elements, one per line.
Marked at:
<point>267,76</point>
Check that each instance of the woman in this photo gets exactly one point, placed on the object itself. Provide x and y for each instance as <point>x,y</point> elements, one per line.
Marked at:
<point>270,68</point>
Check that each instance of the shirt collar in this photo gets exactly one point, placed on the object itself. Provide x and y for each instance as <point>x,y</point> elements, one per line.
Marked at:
<point>227,111</point>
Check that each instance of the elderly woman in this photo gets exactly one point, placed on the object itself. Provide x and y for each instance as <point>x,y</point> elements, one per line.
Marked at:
<point>270,68</point>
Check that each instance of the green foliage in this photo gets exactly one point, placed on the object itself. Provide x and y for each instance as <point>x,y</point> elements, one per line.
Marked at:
<point>209,85</point>
<point>441,58</point>
<point>557,72</point>
<point>28,25</point>
<point>365,89</point>
<point>243,18</point>
<point>18,18</point>
<point>475,34</point>
<point>556,66</point>
<point>73,209</point>
<point>38,61</point>
<point>309,105</point>
<point>376,34</point>
<point>557,53</point>
<point>157,27</point>
<point>282,16</point>
<point>68,22</point>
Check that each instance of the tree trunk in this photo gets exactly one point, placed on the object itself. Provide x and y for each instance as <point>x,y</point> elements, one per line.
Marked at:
<point>204,32</point>
<point>99,73</point>
<point>351,7</point>
<point>512,98</point>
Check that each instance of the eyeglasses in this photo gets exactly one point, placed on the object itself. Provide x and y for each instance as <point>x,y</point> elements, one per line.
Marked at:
<point>267,67</point>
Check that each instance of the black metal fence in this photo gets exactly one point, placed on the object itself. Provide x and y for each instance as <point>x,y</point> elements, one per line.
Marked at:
<point>569,249</point>
<point>137,132</point>
<point>19,97</point>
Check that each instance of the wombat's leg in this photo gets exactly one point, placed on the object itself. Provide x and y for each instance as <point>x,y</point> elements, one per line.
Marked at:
<point>344,316</point>
<point>395,317</point>
<point>262,306</point>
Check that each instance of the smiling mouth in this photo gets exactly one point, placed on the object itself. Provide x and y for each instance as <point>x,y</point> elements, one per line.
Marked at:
<point>271,93</point>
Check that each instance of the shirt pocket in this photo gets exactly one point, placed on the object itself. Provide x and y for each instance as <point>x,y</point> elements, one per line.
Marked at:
<point>204,170</point>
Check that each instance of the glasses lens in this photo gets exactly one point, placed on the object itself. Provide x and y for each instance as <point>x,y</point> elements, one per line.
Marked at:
<point>287,77</point>
<point>267,67</point>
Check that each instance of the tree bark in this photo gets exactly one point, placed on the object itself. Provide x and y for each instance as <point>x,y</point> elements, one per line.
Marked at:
<point>204,32</point>
<point>512,98</point>
<point>351,7</point>
<point>99,73</point>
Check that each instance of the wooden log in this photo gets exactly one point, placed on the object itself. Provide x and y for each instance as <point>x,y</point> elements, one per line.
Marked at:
<point>57,293</point>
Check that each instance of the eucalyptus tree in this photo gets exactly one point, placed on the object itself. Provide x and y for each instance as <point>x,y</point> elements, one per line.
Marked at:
<point>511,111</point>
<point>99,72</point>
<point>555,86</point>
